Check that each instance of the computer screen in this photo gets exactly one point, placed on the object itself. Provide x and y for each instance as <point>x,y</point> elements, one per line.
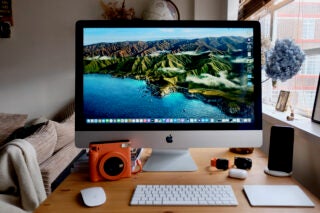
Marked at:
<point>169,84</point>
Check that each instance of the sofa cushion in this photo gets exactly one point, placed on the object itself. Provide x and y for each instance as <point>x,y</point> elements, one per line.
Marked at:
<point>44,141</point>
<point>65,133</point>
<point>25,131</point>
<point>9,123</point>
<point>53,166</point>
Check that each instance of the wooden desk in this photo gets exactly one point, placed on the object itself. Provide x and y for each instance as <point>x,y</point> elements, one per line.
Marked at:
<point>66,197</point>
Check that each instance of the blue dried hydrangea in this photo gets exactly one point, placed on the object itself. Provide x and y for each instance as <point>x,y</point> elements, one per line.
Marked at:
<point>284,60</point>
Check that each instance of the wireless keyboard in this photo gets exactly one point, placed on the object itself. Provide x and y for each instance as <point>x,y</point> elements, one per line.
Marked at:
<point>181,195</point>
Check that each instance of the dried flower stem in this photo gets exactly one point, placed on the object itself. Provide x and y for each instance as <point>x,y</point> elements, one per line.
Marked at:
<point>112,12</point>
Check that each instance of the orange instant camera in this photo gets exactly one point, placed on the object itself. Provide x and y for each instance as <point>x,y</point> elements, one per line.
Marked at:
<point>109,160</point>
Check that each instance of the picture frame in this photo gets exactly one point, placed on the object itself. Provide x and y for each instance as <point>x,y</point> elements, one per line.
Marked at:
<point>282,100</point>
<point>316,107</point>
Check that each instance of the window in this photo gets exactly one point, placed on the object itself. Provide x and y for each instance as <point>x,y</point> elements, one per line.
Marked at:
<point>308,29</point>
<point>300,21</point>
<point>265,26</point>
<point>311,65</point>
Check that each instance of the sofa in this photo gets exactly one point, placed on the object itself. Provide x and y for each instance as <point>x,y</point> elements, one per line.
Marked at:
<point>52,141</point>
<point>56,151</point>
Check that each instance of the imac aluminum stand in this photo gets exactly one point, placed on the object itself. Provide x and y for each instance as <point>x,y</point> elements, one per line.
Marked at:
<point>170,160</point>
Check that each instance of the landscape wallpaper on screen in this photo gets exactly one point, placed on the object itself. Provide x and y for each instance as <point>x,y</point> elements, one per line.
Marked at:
<point>213,68</point>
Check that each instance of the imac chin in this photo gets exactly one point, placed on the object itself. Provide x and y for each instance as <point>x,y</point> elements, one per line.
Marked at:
<point>169,86</point>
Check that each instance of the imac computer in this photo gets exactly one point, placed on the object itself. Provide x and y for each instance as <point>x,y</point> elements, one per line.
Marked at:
<point>169,86</point>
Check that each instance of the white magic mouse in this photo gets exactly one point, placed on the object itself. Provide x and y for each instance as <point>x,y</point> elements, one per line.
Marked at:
<point>93,196</point>
<point>238,173</point>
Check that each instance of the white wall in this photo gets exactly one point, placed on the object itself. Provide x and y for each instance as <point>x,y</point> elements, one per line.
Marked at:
<point>37,62</point>
<point>232,8</point>
<point>210,9</point>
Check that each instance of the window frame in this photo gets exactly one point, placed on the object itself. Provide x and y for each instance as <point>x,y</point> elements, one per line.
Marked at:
<point>270,10</point>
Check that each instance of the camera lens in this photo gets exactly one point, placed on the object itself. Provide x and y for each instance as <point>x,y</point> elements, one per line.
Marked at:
<point>113,166</point>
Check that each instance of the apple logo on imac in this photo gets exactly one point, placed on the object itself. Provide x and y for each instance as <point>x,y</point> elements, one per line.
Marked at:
<point>169,139</point>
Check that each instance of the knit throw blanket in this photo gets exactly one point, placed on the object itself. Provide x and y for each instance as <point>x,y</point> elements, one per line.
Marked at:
<point>21,185</point>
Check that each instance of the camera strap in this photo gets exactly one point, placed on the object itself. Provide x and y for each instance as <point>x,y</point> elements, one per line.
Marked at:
<point>139,165</point>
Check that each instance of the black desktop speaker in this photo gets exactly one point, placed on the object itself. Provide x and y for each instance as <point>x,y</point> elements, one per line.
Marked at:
<point>280,151</point>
